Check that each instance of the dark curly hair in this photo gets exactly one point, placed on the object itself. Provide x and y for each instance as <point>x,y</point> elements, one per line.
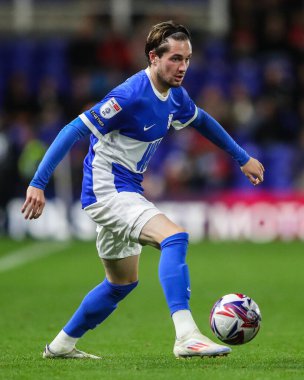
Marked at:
<point>157,39</point>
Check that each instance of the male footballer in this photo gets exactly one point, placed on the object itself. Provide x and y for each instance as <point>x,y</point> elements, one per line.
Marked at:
<point>126,127</point>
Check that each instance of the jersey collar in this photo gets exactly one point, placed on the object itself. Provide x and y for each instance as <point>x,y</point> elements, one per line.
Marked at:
<point>156,92</point>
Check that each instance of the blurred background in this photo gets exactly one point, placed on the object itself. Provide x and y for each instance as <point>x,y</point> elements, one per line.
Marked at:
<point>59,57</point>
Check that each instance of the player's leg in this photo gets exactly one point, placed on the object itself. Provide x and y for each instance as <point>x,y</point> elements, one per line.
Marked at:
<point>119,222</point>
<point>99,303</point>
<point>160,232</point>
<point>172,240</point>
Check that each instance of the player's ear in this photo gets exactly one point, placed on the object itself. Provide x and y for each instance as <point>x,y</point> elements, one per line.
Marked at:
<point>152,56</point>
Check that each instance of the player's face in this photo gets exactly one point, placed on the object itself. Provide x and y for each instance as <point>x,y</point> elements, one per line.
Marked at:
<point>169,69</point>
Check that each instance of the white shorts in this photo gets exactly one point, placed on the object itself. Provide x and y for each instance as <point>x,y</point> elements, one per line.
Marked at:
<point>119,224</point>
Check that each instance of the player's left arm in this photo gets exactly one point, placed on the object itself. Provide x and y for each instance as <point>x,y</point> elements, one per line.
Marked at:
<point>207,126</point>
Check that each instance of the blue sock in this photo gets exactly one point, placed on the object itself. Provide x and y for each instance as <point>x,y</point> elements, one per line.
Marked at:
<point>173,271</point>
<point>97,305</point>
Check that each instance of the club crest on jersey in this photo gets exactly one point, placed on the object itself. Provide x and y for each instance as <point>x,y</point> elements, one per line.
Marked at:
<point>110,108</point>
<point>170,120</point>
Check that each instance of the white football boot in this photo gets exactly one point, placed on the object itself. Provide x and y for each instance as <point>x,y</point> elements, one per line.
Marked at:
<point>196,344</point>
<point>74,354</point>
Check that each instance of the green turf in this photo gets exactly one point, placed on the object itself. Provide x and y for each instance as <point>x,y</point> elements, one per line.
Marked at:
<point>136,342</point>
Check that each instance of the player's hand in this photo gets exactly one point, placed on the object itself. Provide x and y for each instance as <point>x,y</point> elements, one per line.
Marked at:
<point>34,203</point>
<point>254,171</point>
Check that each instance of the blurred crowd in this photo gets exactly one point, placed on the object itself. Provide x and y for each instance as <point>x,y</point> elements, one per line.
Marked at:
<point>250,80</point>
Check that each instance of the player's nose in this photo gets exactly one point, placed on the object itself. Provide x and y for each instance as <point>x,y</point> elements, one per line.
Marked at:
<point>183,66</point>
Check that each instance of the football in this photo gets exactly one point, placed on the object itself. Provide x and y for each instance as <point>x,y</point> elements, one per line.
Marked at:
<point>235,319</point>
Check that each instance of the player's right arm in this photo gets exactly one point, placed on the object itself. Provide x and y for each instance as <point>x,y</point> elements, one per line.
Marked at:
<point>35,200</point>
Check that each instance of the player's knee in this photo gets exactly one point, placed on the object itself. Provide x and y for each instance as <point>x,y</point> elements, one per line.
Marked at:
<point>179,229</point>
<point>175,232</point>
<point>172,231</point>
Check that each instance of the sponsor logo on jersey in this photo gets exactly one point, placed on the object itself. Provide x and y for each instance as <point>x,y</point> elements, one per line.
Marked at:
<point>97,118</point>
<point>110,108</point>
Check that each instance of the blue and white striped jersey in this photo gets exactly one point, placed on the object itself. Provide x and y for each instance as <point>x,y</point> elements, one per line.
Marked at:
<point>127,127</point>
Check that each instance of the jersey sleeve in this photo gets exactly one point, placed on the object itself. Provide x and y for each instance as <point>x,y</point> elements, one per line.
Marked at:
<point>108,114</point>
<point>186,110</point>
<point>64,141</point>
<point>207,126</point>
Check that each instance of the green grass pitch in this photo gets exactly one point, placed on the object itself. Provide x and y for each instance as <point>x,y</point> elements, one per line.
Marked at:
<point>136,342</point>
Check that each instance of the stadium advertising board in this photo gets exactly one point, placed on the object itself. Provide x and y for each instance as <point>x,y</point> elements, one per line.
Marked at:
<point>229,216</point>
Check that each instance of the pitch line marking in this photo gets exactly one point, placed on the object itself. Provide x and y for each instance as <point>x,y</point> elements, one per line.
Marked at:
<point>30,253</point>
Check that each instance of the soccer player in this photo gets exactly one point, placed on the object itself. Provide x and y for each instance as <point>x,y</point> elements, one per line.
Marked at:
<point>125,129</point>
